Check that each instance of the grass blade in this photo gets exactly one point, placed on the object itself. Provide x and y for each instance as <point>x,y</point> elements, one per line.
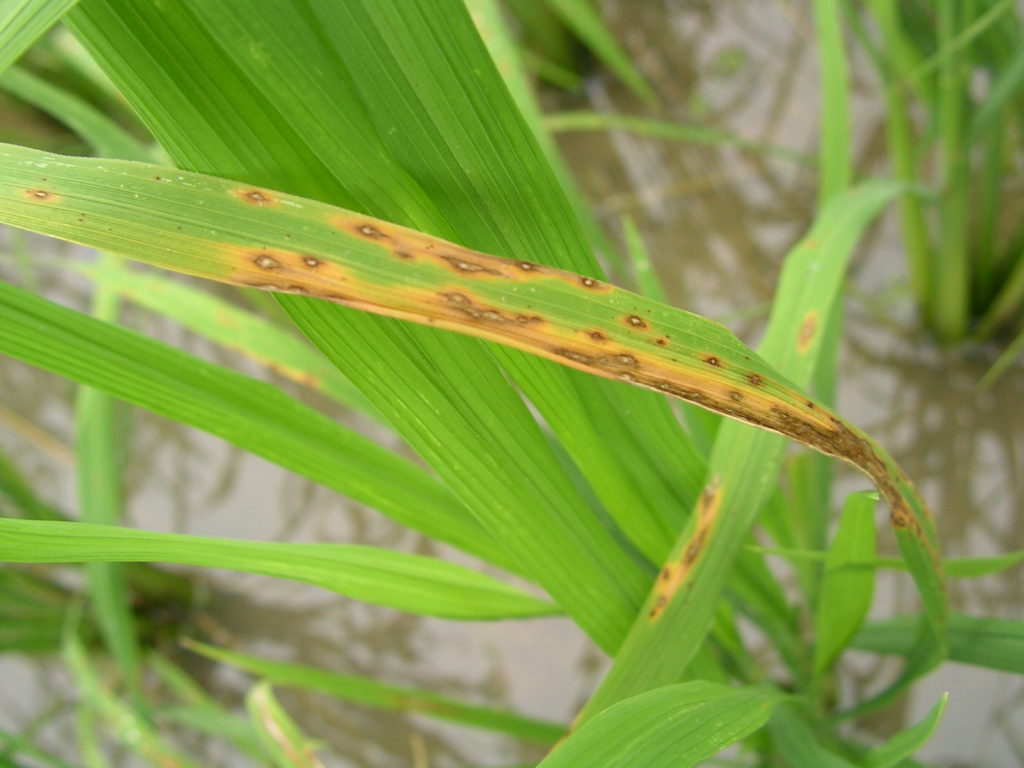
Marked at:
<point>98,482</point>
<point>230,326</point>
<point>270,240</point>
<point>103,135</point>
<point>672,727</point>
<point>250,414</point>
<point>847,582</point>
<point>579,16</point>
<point>282,739</point>
<point>991,643</point>
<point>394,108</point>
<point>680,607</point>
<point>371,693</point>
<point>905,743</point>
<point>405,582</point>
<point>22,22</point>
<point>566,122</point>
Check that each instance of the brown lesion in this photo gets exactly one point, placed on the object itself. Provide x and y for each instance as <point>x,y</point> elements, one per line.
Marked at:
<point>467,266</point>
<point>713,361</point>
<point>40,195</point>
<point>254,196</point>
<point>635,321</point>
<point>807,332</point>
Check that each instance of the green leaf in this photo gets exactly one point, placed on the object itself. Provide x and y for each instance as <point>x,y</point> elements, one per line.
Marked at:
<point>261,238</point>
<point>232,327</point>
<point>22,22</point>
<point>675,726</point>
<point>103,135</point>
<point>569,122</point>
<point>905,743</point>
<point>282,739</point>
<point>395,109</point>
<point>371,693</point>
<point>679,610</point>
<point>579,16</point>
<point>410,583</point>
<point>250,414</point>
<point>795,740</point>
<point>991,643</point>
<point>98,484</point>
<point>847,582</point>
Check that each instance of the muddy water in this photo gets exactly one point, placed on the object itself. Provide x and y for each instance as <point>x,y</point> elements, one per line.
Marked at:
<point>717,222</point>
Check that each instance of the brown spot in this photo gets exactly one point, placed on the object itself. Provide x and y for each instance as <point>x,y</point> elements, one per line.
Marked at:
<point>402,254</point>
<point>597,336</point>
<point>311,261</point>
<point>755,379</point>
<point>471,267</point>
<point>456,298</point>
<point>624,360</point>
<point>694,547</point>
<point>659,605</point>
<point>900,516</point>
<point>370,231</point>
<point>661,342</point>
<point>665,573</point>
<point>529,319</point>
<point>635,321</point>
<point>158,178</point>
<point>254,196</point>
<point>526,266</point>
<point>571,354</point>
<point>40,195</point>
<point>265,262</point>
<point>712,360</point>
<point>589,282</point>
<point>808,330</point>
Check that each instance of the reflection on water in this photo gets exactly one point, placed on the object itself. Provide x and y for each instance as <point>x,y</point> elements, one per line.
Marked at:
<point>718,222</point>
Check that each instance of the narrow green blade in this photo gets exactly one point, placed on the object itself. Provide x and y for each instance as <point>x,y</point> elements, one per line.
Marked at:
<point>848,580</point>
<point>371,693</point>
<point>982,642</point>
<point>680,608</point>
<point>672,727</point>
<point>410,583</point>
<point>250,414</point>
<point>22,22</point>
<point>393,108</point>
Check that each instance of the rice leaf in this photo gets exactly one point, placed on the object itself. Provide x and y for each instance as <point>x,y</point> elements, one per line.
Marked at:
<point>580,16</point>
<point>22,22</point>
<point>405,582</point>
<point>283,741</point>
<point>371,693</point>
<point>250,414</point>
<point>232,327</point>
<point>679,609</point>
<point>672,727</point>
<point>982,642</point>
<point>395,109</point>
<point>847,582</point>
<point>905,743</point>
